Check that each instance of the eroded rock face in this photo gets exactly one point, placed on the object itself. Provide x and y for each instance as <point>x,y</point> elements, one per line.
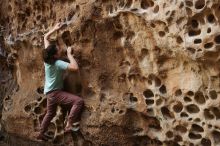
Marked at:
<point>149,70</point>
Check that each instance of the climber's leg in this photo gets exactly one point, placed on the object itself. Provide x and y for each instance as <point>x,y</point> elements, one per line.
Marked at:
<point>51,112</point>
<point>74,102</point>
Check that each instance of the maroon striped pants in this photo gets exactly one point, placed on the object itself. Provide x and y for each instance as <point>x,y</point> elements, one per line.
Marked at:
<point>65,99</point>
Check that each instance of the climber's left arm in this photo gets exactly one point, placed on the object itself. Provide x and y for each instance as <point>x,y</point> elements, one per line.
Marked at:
<point>47,35</point>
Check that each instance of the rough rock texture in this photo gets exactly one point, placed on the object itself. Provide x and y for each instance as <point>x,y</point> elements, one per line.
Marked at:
<point>149,69</point>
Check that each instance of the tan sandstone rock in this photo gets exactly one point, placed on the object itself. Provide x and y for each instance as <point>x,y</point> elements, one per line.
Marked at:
<point>149,69</point>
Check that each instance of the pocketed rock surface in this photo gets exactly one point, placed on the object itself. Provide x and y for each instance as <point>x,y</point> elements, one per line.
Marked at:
<point>149,70</point>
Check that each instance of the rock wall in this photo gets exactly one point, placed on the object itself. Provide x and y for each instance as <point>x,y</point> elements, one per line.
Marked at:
<point>149,69</point>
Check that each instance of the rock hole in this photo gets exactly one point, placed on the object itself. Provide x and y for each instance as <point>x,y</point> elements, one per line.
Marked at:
<point>118,35</point>
<point>178,107</point>
<point>208,115</point>
<point>179,40</point>
<point>166,113</point>
<point>130,35</point>
<point>156,9</point>
<point>216,112</point>
<point>208,45</point>
<point>133,99</point>
<point>149,82</point>
<point>199,4</point>
<point>199,97</point>
<point>199,50</point>
<point>172,15</point>
<point>134,9</point>
<point>178,138</point>
<point>213,94</point>
<point>152,25</point>
<point>197,128</point>
<point>190,93</point>
<point>167,13</point>
<point>121,112</point>
<point>28,11</point>
<point>9,8</point>
<point>181,5</point>
<point>194,32</point>
<point>197,41</point>
<point>70,15</point>
<point>189,3</point>
<point>190,119</point>
<point>157,81</point>
<point>194,136</point>
<point>149,101</point>
<point>148,93</point>
<point>146,3</point>
<point>209,30</point>
<point>161,33</point>
<point>211,18</point>
<point>189,11</point>
<point>178,92</point>
<point>163,89</point>
<point>27,108</point>
<point>67,38</point>
<point>217,39</point>
<point>40,90</point>
<point>113,110</point>
<point>194,23</point>
<point>155,124</point>
<point>39,98</point>
<point>21,17</point>
<point>181,128</point>
<point>37,110</point>
<point>150,112</point>
<point>206,142</point>
<point>144,52</point>
<point>169,134</point>
<point>159,102</point>
<point>129,3</point>
<point>197,120</point>
<point>102,97</point>
<point>38,17</point>
<point>109,8</point>
<point>191,50</point>
<point>192,108</point>
<point>216,135</point>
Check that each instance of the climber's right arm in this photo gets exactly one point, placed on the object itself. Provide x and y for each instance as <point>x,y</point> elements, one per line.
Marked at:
<point>73,66</point>
<point>47,35</point>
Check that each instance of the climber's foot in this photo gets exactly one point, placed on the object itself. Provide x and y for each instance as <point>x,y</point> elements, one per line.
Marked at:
<point>40,137</point>
<point>74,128</point>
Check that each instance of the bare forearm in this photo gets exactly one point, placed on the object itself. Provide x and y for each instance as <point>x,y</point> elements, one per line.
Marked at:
<point>47,35</point>
<point>55,28</point>
<point>72,60</point>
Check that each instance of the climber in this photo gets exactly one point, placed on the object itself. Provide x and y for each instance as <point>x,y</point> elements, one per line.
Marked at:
<point>54,68</point>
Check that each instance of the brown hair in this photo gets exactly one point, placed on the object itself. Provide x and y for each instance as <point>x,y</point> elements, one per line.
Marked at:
<point>48,54</point>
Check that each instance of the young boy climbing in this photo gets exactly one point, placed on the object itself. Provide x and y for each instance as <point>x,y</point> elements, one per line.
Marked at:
<point>53,88</point>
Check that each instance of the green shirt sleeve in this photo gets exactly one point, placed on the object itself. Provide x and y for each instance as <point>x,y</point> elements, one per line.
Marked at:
<point>61,64</point>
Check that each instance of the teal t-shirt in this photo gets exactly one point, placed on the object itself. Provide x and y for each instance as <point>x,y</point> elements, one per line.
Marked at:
<point>54,75</point>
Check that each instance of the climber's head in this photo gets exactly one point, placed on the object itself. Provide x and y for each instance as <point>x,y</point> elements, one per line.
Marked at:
<point>51,53</point>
